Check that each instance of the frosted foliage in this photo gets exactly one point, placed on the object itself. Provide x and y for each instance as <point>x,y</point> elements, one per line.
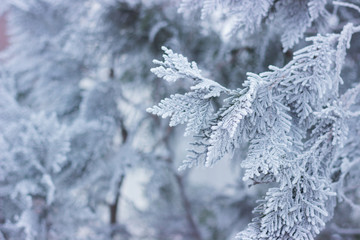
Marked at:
<point>288,18</point>
<point>38,147</point>
<point>195,107</point>
<point>176,66</point>
<point>242,11</point>
<point>296,125</point>
<point>35,156</point>
<point>297,21</point>
<point>99,141</point>
<point>191,108</point>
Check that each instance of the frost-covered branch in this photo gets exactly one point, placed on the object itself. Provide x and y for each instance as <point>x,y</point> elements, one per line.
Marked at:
<point>293,132</point>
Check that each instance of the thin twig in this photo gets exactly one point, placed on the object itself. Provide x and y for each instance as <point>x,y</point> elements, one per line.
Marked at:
<point>349,5</point>
<point>187,207</point>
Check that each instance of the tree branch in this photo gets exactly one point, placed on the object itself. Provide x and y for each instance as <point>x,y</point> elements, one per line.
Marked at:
<point>114,206</point>
<point>187,206</point>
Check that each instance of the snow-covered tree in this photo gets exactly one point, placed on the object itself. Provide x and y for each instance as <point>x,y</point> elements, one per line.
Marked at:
<point>75,85</point>
<point>294,118</point>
